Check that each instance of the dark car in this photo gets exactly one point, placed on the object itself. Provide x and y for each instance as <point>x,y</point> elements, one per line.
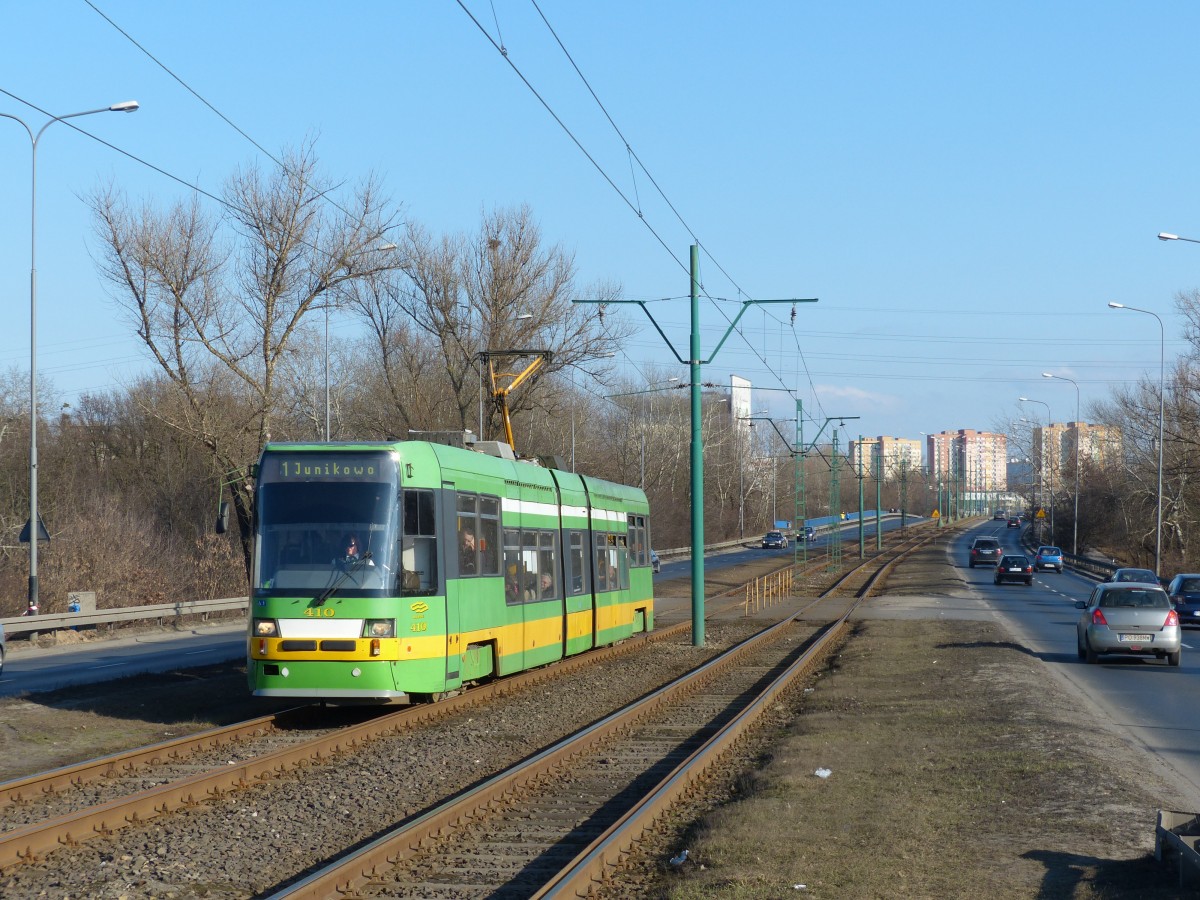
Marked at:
<point>1014,567</point>
<point>1014,522</point>
<point>1048,558</point>
<point>810,533</point>
<point>774,540</point>
<point>1184,591</point>
<point>985,551</point>
<point>1132,618</point>
<point>1145,576</point>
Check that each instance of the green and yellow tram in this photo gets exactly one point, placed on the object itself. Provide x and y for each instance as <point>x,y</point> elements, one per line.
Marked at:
<point>393,571</point>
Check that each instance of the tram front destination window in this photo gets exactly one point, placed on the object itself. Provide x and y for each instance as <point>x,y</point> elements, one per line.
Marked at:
<point>324,519</point>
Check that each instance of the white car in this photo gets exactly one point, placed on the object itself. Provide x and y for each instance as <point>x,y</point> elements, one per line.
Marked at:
<point>1132,618</point>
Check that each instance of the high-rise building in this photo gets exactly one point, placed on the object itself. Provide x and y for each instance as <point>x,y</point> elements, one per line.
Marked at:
<point>1054,447</point>
<point>976,459</point>
<point>889,456</point>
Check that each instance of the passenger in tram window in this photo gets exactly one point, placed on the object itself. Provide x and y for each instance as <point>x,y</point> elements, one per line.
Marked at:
<point>601,571</point>
<point>467,551</point>
<point>547,585</point>
<point>512,587</point>
<point>530,587</point>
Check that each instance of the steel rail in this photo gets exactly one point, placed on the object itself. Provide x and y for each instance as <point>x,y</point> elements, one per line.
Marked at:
<point>345,875</point>
<point>28,843</point>
<point>596,862</point>
<point>604,854</point>
<point>26,789</point>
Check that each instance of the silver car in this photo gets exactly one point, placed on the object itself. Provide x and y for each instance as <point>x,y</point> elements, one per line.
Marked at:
<point>1128,618</point>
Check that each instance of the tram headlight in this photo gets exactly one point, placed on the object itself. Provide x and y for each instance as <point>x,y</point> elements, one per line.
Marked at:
<point>265,628</point>
<point>379,628</point>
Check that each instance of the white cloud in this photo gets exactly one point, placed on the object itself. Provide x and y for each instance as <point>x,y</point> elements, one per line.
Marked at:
<point>858,395</point>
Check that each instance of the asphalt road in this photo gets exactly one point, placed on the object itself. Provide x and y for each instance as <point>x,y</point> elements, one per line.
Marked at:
<point>37,669</point>
<point>1152,702</point>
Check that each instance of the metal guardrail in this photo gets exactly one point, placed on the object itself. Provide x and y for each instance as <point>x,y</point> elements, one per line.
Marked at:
<point>1087,564</point>
<point>1176,835</point>
<point>22,625</point>
<point>1097,567</point>
<point>819,529</point>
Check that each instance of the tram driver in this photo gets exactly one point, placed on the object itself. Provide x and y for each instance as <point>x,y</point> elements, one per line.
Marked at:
<point>352,551</point>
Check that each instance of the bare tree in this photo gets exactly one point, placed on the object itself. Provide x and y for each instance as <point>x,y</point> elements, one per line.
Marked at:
<point>500,288</point>
<point>217,299</point>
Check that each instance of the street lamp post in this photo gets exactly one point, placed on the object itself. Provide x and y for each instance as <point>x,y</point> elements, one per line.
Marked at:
<point>1043,458</point>
<point>34,526</point>
<point>1162,356</point>
<point>1075,538</point>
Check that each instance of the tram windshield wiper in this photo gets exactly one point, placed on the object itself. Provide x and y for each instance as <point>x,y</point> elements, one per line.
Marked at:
<point>320,599</point>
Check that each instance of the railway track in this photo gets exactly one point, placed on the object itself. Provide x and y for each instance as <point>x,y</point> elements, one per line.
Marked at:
<point>135,786</point>
<point>560,822</point>
<point>174,784</point>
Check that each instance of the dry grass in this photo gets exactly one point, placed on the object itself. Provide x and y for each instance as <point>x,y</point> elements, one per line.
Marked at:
<point>958,771</point>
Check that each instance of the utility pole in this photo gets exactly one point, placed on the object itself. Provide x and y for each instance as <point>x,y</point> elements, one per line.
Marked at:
<point>835,503</point>
<point>877,459</point>
<point>862,546</point>
<point>695,363</point>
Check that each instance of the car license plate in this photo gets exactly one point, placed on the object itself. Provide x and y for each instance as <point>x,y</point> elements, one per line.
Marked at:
<point>1014,570</point>
<point>1137,638</point>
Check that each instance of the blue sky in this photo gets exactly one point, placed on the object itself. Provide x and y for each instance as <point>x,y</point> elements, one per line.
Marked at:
<point>964,186</point>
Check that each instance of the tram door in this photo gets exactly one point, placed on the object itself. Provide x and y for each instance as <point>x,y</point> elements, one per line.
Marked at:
<point>421,574</point>
<point>456,586</point>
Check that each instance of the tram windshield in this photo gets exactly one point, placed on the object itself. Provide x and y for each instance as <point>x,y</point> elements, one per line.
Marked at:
<point>324,520</point>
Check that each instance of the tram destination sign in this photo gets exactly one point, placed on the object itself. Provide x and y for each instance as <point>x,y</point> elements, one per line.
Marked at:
<point>345,467</point>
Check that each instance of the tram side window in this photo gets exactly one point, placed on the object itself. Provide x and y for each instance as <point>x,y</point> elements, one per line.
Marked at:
<point>529,562</point>
<point>548,565</point>
<point>638,556</point>
<point>478,534</point>
<point>512,565</point>
<point>607,578</point>
<point>418,544</point>
<point>489,535</point>
<point>575,558</point>
<point>467,533</point>
<point>622,551</point>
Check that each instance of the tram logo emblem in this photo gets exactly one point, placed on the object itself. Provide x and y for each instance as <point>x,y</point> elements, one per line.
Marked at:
<point>420,607</point>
